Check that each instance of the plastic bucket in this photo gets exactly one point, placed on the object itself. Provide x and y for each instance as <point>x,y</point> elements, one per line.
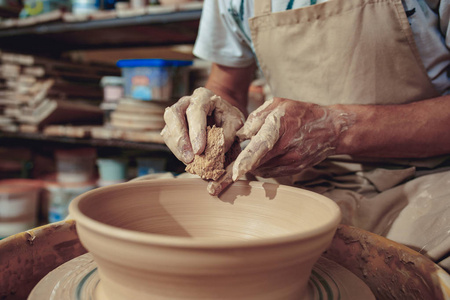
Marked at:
<point>18,205</point>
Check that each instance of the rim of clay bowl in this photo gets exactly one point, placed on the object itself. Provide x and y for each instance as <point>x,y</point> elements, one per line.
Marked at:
<point>187,242</point>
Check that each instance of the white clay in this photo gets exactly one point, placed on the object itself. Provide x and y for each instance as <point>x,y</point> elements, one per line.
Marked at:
<point>170,239</point>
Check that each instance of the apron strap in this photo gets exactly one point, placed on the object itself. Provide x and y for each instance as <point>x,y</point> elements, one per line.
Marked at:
<point>262,7</point>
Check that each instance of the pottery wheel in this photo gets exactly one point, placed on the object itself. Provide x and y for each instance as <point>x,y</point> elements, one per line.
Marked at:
<point>78,279</point>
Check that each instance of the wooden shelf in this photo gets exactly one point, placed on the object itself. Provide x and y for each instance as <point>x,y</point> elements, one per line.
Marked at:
<point>43,143</point>
<point>25,139</point>
<point>179,27</point>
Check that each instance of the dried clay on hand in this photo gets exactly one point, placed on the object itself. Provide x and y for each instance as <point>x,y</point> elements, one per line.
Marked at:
<point>212,162</point>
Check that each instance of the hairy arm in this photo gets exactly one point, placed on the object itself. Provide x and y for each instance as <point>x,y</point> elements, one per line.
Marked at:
<point>415,130</point>
<point>231,84</point>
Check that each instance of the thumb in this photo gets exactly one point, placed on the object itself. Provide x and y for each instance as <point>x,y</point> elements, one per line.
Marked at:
<point>260,145</point>
<point>254,121</point>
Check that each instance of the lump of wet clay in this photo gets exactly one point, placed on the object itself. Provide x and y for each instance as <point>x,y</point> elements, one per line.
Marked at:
<point>212,162</point>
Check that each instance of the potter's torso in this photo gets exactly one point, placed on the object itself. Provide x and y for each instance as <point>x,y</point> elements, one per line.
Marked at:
<point>235,46</point>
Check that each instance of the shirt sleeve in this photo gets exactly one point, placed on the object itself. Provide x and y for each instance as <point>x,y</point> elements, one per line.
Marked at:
<point>218,38</point>
<point>444,20</point>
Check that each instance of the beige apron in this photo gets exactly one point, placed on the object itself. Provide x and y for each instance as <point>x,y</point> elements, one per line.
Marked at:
<point>359,52</point>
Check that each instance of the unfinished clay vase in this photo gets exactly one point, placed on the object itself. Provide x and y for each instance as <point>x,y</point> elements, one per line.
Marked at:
<point>169,239</point>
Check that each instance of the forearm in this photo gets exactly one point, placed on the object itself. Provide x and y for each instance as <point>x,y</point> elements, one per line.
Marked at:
<point>231,84</point>
<point>415,130</point>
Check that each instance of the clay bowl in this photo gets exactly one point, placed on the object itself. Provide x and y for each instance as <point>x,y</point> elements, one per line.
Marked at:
<point>169,239</point>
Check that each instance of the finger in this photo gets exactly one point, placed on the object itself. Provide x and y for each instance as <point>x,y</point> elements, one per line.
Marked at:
<point>260,144</point>
<point>230,118</point>
<point>200,107</point>
<point>216,187</point>
<point>171,143</point>
<point>254,121</point>
<point>175,133</point>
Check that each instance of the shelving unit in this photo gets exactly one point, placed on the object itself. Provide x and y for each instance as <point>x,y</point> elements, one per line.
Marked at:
<point>179,27</point>
<point>51,39</point>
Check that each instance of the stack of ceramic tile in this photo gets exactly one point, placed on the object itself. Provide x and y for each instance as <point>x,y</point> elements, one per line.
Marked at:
<point>138,115</point>
<point>38,91</point>
<point>135,120</point>
<point>7,74</point>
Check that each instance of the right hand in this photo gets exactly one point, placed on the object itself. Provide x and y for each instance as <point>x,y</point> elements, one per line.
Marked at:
<point>286,137</point>
<point>186,121</point>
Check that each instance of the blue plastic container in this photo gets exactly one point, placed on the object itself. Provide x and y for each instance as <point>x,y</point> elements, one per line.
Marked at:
<point>155,79</point>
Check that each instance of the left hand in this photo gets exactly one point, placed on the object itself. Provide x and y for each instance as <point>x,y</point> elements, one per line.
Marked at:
<point>287,136</point>
<point>186,121</point>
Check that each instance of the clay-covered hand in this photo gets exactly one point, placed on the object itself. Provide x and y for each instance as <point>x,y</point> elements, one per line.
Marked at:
<point>186,121</point>
<point>288,136</point>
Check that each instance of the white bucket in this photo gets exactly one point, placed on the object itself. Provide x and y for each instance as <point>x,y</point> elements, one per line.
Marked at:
<point>18,205</point>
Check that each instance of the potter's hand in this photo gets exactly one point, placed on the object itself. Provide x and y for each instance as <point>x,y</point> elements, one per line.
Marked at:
<point>186,121</point>
<point>288,136</point>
